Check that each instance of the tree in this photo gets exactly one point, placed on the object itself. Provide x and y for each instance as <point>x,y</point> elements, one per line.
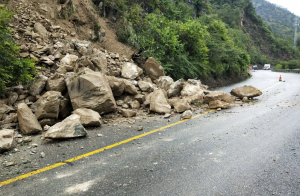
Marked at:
<point>13,70</point>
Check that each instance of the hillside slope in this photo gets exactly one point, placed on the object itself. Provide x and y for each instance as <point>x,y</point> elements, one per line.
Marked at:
<point>79,19</point>
<point>261,44</point>
<point>280,20</point>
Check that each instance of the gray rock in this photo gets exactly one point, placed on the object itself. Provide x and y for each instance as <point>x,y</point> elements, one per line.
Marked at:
<point>56,83</point>
<point>128,113</point>
<point>91,90</point>
<point>40,29</point>
<point>217,95</point>
<point>153,69</point>
<point>7,140</point>
<point>164,82</point>
<point>158,102</point>
<point>99,60</point>
<point>130,71</point>
<point>70,127</point>
<point>27,121</point>
<point>187,114</point>
<point>145,86</point>
<point>12,98</point>
<point>135,104</point>
<point>218,104</point>
<point>182,105</point>
<point>88,118</point>
<point>38,86</point>
<point>175,88</point>
<point>47,106</point>
<point>246,91</point>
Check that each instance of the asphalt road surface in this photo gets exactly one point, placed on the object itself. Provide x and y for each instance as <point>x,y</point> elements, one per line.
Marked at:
<point>252,149</point>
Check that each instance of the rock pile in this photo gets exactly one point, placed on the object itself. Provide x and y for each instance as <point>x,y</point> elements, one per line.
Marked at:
<point>78,83</point>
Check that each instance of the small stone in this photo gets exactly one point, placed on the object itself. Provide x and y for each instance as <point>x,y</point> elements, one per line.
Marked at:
<point>81,147</point>
<point>42,155</point>
<point>46,127</point>
<point>8,164</point>
<point>187,114</point>
<point>245,99</point>
<point>26,161</point>
<point>27,139</point>
<point>140,128</point>
<point>167,115</point>
<point>219,109</point>
<point>99,135</point>
<point>34,145</point>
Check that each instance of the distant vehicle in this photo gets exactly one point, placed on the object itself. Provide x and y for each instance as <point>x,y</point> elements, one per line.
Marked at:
<point>254,66</point>
<point>267,66</point>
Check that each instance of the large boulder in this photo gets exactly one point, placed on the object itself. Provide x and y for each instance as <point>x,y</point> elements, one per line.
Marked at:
<point>153,69</point>
<point>119,86</point>
<point>181,105</point>
<point>56,83</point>
<point>187,115</point>
<point>84,62</point>
<point>140,98</point>
<point>130,71</point>
<point>173,100</point>
<point>5,109</point>
<point>70,127</point>
<point>135,104</point>
<point>164,82</point>
<point>217,95</point>
<point>82,46</point>
<point>145,86</point>
<point>12,98</point>
<point>246,91</point>
<point>47,106</point>
<point>130,87</point>
<point>88,118</point>
<point>6,139</point>
<point>128,113</point>
<point>27,121</point>
<point>69,60</point>
<point>197,83</point>
<point>38,86</point>
<point>158,102</point>
<point>218,104</point>
<point>40,29</point>
<point>10,118</point>
<point>99,60</point>
<point>90,90</point>
<point>175,88</point>
<point>193,93</point>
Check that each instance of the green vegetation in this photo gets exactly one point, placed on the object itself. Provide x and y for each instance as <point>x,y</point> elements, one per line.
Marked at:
<point>200,38</point>
<point>13,70</point>
<point>186,38</point>
<point>293,64</point>
<point>251,32</point>
<point>279,19</point>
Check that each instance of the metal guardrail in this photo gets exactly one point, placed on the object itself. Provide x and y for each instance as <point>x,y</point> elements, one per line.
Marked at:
<point>287,70</point>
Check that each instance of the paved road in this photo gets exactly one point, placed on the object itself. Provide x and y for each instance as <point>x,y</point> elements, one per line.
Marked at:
<point>246,150</point>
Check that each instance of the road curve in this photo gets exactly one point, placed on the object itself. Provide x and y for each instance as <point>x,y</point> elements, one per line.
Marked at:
<point>251,149</point>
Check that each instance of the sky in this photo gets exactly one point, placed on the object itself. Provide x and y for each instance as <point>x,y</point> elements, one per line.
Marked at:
<point>292,5</point>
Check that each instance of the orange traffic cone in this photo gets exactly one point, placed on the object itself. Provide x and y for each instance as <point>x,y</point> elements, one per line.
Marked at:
<point>280,79</point>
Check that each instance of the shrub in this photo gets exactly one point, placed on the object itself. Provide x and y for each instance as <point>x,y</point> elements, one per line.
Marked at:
<point>13,70</point>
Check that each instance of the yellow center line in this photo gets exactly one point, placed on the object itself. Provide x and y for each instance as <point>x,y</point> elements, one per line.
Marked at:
<point>95,151</point>
<point>271,86</point>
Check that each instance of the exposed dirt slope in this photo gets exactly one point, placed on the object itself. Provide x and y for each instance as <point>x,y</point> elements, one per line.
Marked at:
<point>79,19</point>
